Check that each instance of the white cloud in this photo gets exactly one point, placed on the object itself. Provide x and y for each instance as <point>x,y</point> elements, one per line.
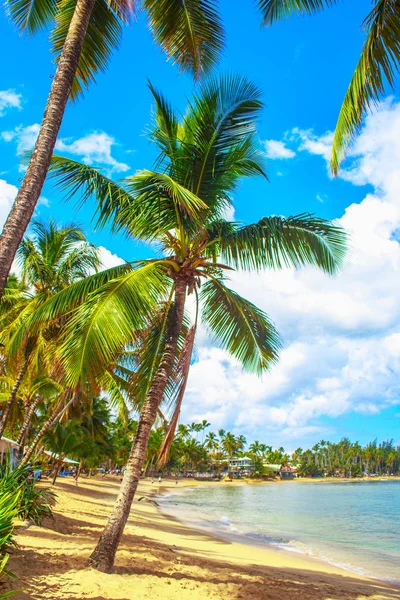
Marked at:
<point>109,259</point>
<point>342,334</point>
<point>7,195</point>
<point>94,148</point>
<point>314,144</point>
<point>9,99</point>
<point>25,137</point>
<point>277,149</point>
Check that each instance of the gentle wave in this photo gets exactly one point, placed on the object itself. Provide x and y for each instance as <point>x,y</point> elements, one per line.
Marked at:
<point>189,504</point>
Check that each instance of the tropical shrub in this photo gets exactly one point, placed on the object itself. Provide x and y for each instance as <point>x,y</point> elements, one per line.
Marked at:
<point>34,503</point>
<point>8,511</point>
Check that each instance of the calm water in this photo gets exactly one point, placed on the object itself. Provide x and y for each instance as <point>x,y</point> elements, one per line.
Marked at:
<point>353,525</point>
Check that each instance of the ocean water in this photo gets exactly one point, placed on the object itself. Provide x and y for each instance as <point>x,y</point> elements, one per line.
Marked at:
<point>355,526</point>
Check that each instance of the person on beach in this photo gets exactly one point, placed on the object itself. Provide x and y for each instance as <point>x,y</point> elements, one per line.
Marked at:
<point>152,480</point>
<point>76,477</point>
<point>159,479</point>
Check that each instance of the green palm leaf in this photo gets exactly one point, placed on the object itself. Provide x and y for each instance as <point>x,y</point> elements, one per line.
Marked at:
<point>379,60</point>
<point>60,305</point>
<point>240,327</point>
<point>80,181</point>
<point>102,37</point>
<point>275,10</point>
<point>189,31</point>
<point>221,118</point>
<point>275,242</point>
<point>31,15</point>
<point>113,316</point>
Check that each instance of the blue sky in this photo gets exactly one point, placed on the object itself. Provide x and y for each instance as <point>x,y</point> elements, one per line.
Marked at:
<point>332,329</point>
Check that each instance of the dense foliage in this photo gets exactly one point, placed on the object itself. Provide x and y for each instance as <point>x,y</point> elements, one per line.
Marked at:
<point>32,503</point>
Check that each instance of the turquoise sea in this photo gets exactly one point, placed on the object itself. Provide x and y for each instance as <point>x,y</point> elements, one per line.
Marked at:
<point>355,526</point>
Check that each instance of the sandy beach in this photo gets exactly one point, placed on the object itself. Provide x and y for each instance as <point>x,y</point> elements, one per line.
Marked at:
<point>159,557</point>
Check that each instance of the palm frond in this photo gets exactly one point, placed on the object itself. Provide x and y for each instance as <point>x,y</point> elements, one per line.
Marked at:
<point>189,31</point>
<point>60,305</point>
<point>112,317</point>
<point>165,129</point>
<point>116,389</point>
<point>220,123</point>
<point>275,10</point>
<point>275,242</point>
<point>78,180</point>
<point>379,61</point>
<point>102,37</point>
<point>31,15</point>
<point>181,376</point>
<point>239,326</point>
<point>160,204</point>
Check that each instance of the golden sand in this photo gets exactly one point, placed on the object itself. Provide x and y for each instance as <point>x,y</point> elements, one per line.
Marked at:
<point>161,558</point>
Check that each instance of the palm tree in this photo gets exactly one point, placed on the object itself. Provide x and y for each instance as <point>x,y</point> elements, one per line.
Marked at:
<point>51,259</point>
<point>181,206</point>
<point>211,442</point>
<point>255,448</point>
<point>85,33</point>
<point>379,61</point>
<point>62,440</point>
<point>183,431</point>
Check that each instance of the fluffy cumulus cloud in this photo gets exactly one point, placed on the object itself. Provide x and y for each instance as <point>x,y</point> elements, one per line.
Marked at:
<point>94,148</point>
<point>108,259</point>
<point>9,99</point>
<point>275,149</point>
<point>342,334</point>
<point>24,137</point>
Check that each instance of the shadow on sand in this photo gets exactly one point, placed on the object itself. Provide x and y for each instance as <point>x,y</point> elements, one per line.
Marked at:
<point>51,562</point>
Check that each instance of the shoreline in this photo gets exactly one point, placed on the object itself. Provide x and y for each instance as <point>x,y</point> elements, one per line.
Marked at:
<point>161,557</point>
<point>313,561</point>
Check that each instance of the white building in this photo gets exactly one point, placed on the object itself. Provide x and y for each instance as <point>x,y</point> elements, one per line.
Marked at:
<point>10,447</point>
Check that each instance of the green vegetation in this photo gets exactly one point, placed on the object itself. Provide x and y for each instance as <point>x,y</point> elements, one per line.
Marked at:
<point>72,336</point>
<point>8,512</point>
<point>85,33</point>
<point>33,503</point>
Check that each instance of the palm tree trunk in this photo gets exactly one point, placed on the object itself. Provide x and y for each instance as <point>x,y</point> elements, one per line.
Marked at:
<point>27,421</point>
<point>32,184</point>
<point>56,471</point>
<point>46,426</point>
<point>103,555</point>
<point>11,399</point>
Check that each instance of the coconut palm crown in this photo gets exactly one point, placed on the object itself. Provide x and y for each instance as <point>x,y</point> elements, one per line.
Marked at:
<point>181,205</point>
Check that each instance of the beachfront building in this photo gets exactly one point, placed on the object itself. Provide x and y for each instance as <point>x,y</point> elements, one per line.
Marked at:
<point>9,447</point>
<point>241,466</point>
<point>281,471</point>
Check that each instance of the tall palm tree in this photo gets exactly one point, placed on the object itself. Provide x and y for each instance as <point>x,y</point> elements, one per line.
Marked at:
<point>85,33</point>
<point>181,205</point>
<point>211,443</point>
<point>50,260</point>
<point>379,61</point>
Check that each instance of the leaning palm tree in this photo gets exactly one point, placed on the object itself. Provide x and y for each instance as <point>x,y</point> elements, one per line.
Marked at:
<point>181,205</point>
<point>85,33</point>
<point>379,61</point>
